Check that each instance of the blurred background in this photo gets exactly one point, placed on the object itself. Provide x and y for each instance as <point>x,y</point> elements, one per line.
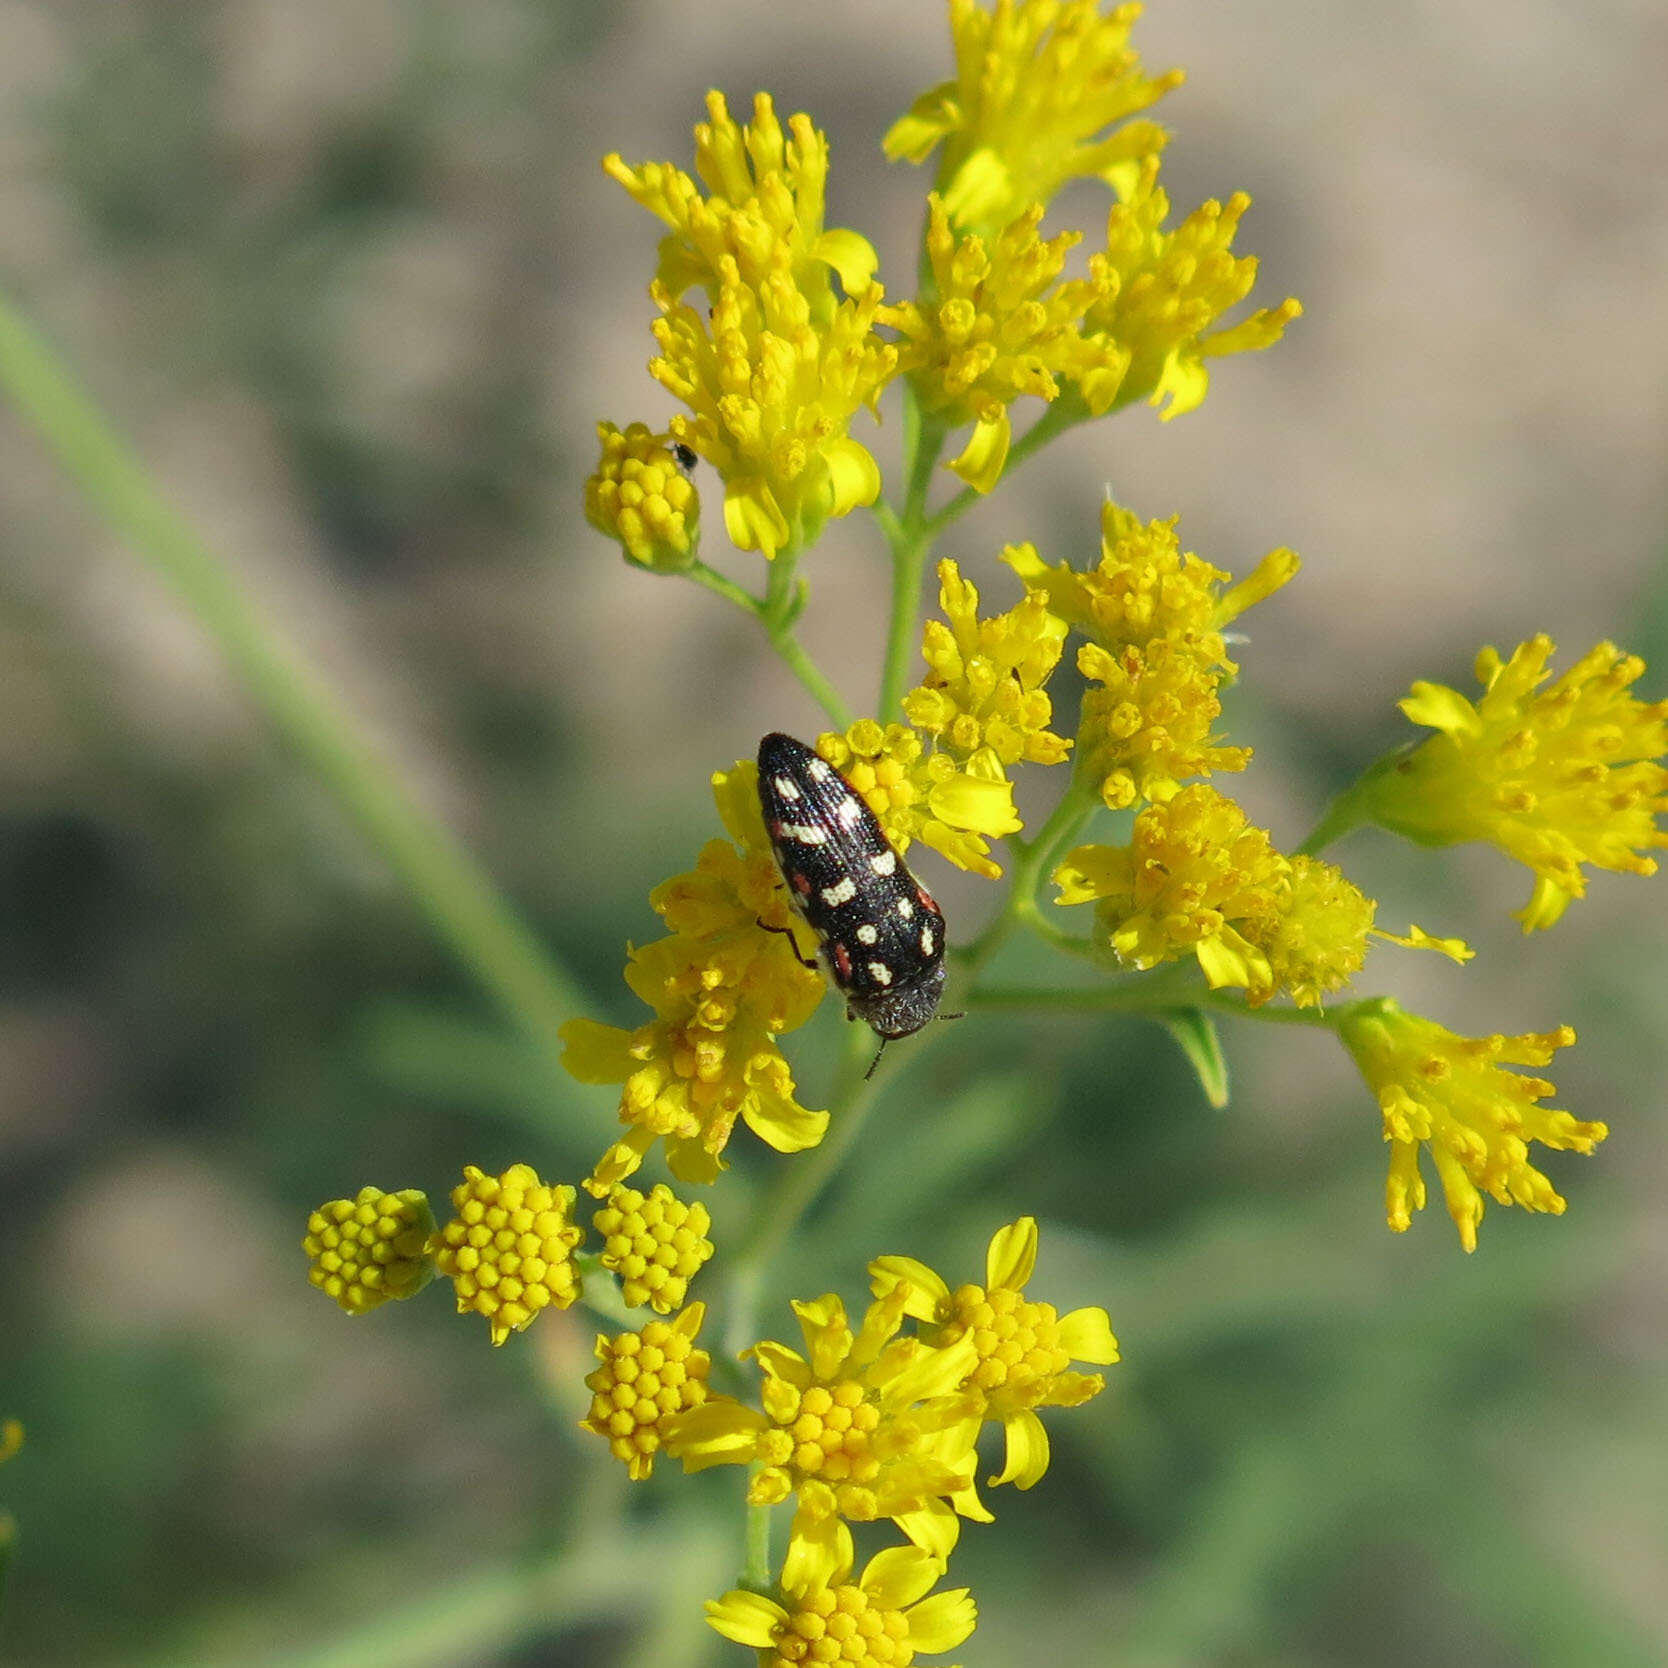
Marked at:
<point>351,279</point>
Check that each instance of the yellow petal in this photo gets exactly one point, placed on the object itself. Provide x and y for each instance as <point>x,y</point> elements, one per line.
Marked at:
<point>1086,1335</point>
<point>853,475</point>
<point>896,1577</point>
<point>782,1123</point>
<point>1442,709</point>
<point>1012,1256</point>
<point>985,455</point>
<point>747,1618</point>
<point>596,1053</point>
<point>752,517</point>
<point>819,1553</point>
<point>942,1622</point>
<point>1090,872</point>
<point>926,1293</point>
<point>1027,1451</point>
<point>979,807</point>
<point>851,255</point>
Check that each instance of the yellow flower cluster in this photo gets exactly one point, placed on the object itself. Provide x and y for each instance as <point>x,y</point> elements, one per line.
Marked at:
<point>878,1423</point>
<point>641,497</point>
<point>647,1380</point>
<point>884,1619</point>
<point>1162,290</point>
<point>723,985</point>
<point>955,806</point>
<point>655,1243</point>
<point>509,1249</point>
<point>998,323</point>
<point>1198,880</point>
<point>1153,615</point>
<point>368,1249</point>
<point>772,365</point>
<point>1043,93</point>
<point>1451,1094</point>
<point>1553,777</point>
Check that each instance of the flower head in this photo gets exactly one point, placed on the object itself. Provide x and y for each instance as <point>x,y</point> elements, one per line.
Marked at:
<point>641,497</point>
<point>370,1248</point>
<point>997,323</point>
<point>884,1619</point>
<point>985,684</point>
<point>766,196</point>
<point>863,1425</point>
<point>509,1249</point>
<point>1023,1348</point>
<point>955,806</point>
<point>655,1243</point>
<point>646,1380</point>
<point>1554,777</point>
<point>707,1059</point>
<point>771,389</point>
<point>1146,586</point>
<point>1164,289</point>
<point>1043,93</point>
<point>1451,1094</point>
<point>723,986</point>
<point>1196,880</point>
<point>1147,727</point>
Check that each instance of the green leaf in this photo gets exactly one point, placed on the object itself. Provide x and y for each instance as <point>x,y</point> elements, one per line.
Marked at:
<point>1196,1036</point>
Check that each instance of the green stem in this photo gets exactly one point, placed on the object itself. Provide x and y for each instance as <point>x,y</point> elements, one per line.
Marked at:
<point>910,543</point>
<point>755,1572</point>
<point>727,588</point>
<point>811,678</point>
<point>460,900</point>
<point>1149,993</point>
<point>1350,809</point>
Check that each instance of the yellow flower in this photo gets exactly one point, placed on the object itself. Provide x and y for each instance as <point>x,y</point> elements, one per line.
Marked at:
<point>882,1620</point>
<point>985,678</point>
<point>734,906</point>
<point>641,497</point>
<point>1023,1348</point>
<point>646,1380</point>
<point>656,1244</point>
<point>1555,777</point>
<point>370,1248</point>
<point>1043,93</point>
<point>956,807</point>
<point>509,1250</point>
<point>1450,1093</point>
<point>709,1058</point>
<point>1147,728</point>
<point>722,987</point>
<point>1146,586</point>
<point>1164,290</point>
<point>863,1426</point>
<point>1196,880</point>
<point>768,192</point>
<point>772,388</point>
<point>996,324</point>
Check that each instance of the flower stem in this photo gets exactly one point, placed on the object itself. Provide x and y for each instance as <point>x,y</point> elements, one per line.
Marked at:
<point>911,541</point>
<point>755,1570</point>
<point>461,902</point>
<point>1347,812</point>
<point>1054,421</point>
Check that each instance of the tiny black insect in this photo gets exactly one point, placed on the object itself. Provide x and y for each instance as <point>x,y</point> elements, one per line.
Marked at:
<point>882,935</point>
<point>685,456</point>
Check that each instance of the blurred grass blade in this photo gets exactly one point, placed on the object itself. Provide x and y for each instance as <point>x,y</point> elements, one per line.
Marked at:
<point>460,900</point>
<point>1196,1036</point>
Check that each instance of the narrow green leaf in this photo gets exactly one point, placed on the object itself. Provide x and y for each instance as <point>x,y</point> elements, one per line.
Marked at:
<point>1196,1036</point>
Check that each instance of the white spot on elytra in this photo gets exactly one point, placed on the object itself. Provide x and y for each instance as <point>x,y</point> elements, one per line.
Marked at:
<point>844,892</point>
<point>906,909</point>
<point>885,863</point>
<point>804,833</point>
<point>880,972</point>
<point>785,787</point>
<point>819,770</point>
<point>848,811</point>
<point>926,940</point>
<point>867,934</point>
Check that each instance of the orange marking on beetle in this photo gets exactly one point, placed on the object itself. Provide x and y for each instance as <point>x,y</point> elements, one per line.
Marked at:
<point>802,885</point>
<point>842,960</point>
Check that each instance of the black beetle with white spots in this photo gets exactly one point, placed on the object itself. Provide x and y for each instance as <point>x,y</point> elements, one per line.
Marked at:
<point>882,935</point>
